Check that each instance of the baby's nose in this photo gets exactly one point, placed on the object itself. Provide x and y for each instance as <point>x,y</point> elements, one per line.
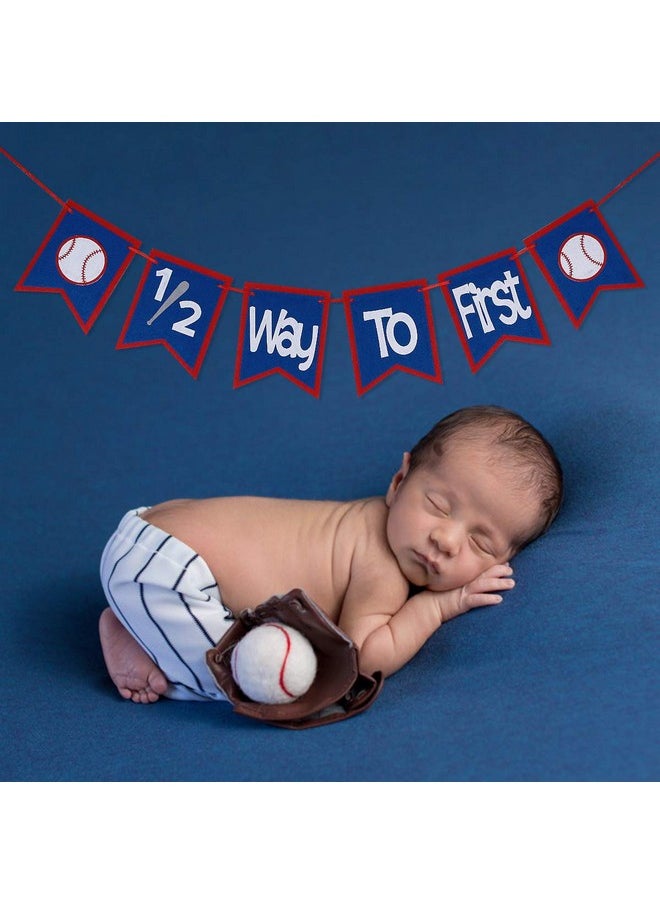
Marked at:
<point>447,538</point>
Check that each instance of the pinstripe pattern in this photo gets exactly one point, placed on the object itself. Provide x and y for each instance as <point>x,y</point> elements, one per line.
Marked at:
<point>165,596</point>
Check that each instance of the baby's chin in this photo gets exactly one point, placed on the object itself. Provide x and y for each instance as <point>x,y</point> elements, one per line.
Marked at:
<point>419,578</point>
<point>440,586</point>
<point>437,586</point>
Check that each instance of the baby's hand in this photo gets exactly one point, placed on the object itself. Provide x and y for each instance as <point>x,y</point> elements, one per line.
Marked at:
<point>483,591</point>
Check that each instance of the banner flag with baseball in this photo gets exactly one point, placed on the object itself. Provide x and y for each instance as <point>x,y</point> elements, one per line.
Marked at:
<point>282,331</point>
<point>491,301</point>
<point>580,256</point>
<point>82,258</point>
<point>390,328</point>
<point>177,304</point>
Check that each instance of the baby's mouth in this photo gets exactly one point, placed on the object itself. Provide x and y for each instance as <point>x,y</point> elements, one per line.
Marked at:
<point>426,563</point>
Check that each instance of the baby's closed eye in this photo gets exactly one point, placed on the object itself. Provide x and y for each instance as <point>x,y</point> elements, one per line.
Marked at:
<point>482,545</point>
<point>439,505</point>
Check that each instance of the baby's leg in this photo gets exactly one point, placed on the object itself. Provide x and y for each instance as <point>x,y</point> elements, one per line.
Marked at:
<point>136,676</point>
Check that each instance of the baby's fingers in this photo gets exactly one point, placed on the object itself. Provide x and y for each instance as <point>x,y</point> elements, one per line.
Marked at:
<point>487,589</point>
<point>483,599</point>
<point>493,581</point>
<point>497,571</point>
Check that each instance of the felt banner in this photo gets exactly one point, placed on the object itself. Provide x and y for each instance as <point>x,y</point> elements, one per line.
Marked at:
<point>490,302</point>
<point>390,328</point>
<point>82,258</point>
<point>282,331</point>
<point>580,256</point>
<point>177,305</point>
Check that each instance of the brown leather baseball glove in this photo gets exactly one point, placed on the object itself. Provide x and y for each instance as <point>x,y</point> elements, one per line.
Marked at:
<point>339,690</point>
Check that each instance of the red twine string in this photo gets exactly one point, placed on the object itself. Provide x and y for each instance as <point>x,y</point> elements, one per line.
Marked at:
<point>629,179</point>
<point>31,176</point>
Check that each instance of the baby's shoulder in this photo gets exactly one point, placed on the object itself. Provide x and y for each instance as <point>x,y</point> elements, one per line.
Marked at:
<point>369,528</point>
<point>368,517</point>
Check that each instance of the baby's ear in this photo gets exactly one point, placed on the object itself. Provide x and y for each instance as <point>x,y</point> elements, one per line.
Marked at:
<point>398,479</point>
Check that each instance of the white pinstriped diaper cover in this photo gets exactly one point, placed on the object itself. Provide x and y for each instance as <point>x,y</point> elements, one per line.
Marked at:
<point>164,594</point>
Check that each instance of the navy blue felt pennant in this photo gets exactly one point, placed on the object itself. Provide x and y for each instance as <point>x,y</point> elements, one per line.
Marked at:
<point>391,328</point>
<point>580,257</point>
<point>283,331</point>
<point>82,258</point>
<point>177,304</point>
<point>490,302</point>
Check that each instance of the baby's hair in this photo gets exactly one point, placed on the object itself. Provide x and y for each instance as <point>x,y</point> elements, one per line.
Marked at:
<point>509,432</point>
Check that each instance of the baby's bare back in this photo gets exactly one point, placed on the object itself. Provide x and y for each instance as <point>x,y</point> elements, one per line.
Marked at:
<point>257,547</point>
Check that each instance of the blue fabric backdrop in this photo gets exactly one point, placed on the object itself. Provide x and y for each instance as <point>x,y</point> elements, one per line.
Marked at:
<point>560,682</point>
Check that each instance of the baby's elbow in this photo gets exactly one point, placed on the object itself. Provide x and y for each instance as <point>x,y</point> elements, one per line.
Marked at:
<point>376,654</point>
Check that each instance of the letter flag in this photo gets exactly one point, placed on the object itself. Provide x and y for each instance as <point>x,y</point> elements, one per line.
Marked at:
<point>391,328</point>
<point>282,331</point>
<point>491,301</point>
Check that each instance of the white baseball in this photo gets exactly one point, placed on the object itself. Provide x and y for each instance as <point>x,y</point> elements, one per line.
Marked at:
<point>273,663</point>
<point>81,260</point>
<point>582,257</point>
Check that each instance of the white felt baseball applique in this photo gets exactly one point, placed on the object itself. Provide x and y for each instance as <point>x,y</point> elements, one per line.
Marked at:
<point>581,257</point>
<point>81,260</point>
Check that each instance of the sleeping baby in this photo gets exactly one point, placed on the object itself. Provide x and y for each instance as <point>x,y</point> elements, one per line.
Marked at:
<point>388,570</point>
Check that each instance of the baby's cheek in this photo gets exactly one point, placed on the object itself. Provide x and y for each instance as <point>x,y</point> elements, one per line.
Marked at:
<point>472,570</point>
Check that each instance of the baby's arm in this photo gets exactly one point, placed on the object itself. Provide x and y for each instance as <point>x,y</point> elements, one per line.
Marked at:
<point>387,637</point>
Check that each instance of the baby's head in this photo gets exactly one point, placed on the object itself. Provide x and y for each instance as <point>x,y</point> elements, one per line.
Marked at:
<point>513,443</point>
<point>481,485</point>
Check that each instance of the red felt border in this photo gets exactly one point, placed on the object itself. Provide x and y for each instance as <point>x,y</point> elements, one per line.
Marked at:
<point>322,297</point>
<point>349,295</point>
<point>531,247</point>
<point>85,325</point>
<point>512,255</point>
<point>224,285</point>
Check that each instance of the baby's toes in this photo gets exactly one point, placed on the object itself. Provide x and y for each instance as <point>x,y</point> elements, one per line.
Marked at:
<point>157,683</point>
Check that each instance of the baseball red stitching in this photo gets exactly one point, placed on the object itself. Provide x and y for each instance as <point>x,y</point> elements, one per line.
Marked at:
<point>286,656</point>
<point>84,265</point>
<point>61,257</point>
<point>567,260</point>
<point>586,253</point>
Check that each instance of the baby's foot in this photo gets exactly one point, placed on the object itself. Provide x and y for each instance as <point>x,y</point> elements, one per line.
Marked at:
<point>136,676</point>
